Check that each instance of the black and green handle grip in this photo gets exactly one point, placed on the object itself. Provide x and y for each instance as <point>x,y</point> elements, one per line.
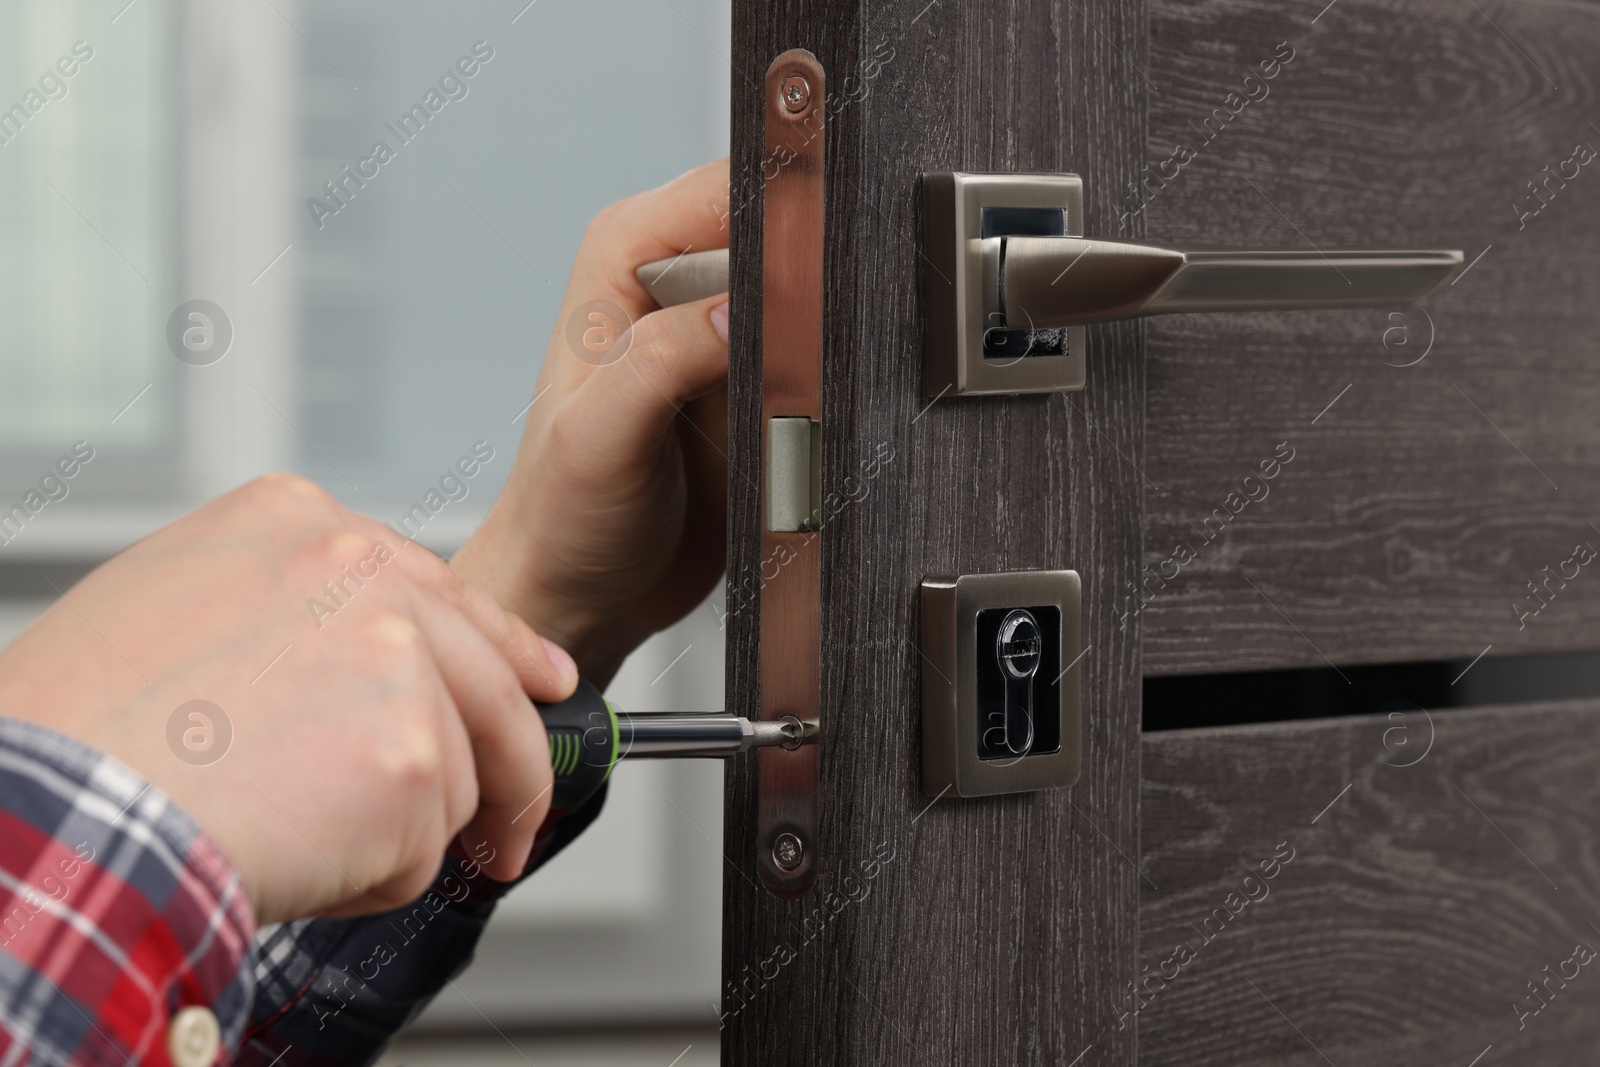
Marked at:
<point>584,740</point>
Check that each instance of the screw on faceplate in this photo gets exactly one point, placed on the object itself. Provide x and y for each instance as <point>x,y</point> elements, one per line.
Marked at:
<point>787,851</point>
<point>796,93</point>
<point>794,733</point>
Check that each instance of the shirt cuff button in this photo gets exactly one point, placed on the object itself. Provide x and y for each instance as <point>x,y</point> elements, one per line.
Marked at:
<point>193,1038</point>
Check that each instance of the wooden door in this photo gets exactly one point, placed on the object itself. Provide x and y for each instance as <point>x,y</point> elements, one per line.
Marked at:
<point>1429,885</point>
<point>973,931</point>
<point>1435,472</point>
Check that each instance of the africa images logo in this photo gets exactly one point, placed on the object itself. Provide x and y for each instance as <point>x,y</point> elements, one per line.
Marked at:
<point>199,732</point>
<point>199,332</point>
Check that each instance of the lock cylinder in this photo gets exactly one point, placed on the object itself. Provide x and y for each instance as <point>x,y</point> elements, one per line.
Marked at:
<point>1000,683</point>
<point>1017,700</point>
<point>1017,652</point>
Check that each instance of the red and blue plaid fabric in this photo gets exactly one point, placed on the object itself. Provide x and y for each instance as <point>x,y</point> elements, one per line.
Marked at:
<point>116,911</point>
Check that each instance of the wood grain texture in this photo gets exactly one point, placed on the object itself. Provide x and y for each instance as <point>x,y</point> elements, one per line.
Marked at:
<point>1417,905</point>
<point>1421,503</point>
<point>999,928</point>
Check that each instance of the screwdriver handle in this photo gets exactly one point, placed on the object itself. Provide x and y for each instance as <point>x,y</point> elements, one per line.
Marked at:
<point>583,744</point>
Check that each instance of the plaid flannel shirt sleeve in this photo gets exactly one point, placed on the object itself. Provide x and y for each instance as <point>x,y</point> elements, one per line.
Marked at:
<point>333,992</point>
<point>115,911</point>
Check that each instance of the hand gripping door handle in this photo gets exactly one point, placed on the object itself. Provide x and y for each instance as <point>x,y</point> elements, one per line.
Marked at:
<point>1009,284</point>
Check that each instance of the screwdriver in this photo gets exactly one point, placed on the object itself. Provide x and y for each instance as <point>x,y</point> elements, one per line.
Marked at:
<point>588,735</point>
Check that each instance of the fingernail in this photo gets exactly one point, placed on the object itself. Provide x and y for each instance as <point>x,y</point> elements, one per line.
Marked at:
<point>560,660</point>
<point>719,320</point>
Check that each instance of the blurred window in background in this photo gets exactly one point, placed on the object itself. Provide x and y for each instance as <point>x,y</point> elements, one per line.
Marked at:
<point>365,317</point>
<point>88,125</point>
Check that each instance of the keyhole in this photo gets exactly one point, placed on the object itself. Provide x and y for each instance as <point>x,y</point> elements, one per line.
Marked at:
<point>1018,647</point>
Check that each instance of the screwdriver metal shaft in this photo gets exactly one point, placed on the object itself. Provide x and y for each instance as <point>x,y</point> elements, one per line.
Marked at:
<point>677,735</point>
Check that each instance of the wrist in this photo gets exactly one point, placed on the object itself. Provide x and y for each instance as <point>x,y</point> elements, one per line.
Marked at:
<point>499,561</point>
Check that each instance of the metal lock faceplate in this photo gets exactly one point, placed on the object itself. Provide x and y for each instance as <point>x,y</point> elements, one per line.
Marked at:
<point>959,312</point>
<point>788,853</point>
<point>958,752</point>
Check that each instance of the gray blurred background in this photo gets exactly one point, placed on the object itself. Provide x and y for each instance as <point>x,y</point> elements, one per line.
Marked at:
<point>368,352</point>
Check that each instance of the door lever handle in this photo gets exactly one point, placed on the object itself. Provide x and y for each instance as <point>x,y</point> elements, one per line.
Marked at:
<point>1010,283</point>
<point>1122,279</point>
<point>1044,282</point>
<point>686,278</point>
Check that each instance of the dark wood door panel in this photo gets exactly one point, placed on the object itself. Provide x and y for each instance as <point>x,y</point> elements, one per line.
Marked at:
<point>996,929</point>
<point>1420,500</point>
<point>1376,891</point>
